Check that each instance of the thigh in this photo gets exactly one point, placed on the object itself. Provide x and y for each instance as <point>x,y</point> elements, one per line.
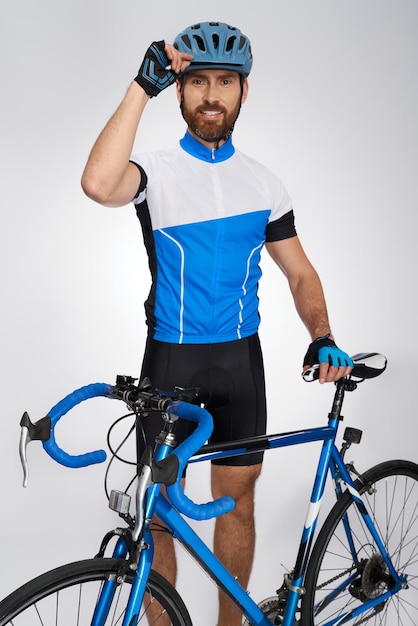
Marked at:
<point>238,401</point>
<point>237,482</point>
<point>230,379</point>
<point>168,366</point>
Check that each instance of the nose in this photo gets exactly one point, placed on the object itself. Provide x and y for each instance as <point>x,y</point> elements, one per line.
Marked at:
<point>211,93</point>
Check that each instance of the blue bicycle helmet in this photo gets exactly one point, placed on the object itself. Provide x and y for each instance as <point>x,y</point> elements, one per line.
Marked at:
<point>215,45</point>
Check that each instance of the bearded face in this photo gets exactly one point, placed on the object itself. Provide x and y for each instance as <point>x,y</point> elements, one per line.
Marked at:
<point>210,101</point>
<point>210,122</point>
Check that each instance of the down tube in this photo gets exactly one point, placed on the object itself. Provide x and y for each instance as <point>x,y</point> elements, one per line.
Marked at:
<point>210,564</point>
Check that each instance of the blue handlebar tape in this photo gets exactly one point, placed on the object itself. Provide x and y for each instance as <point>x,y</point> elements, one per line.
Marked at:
<point>183,452</point>
<point>76,397</point>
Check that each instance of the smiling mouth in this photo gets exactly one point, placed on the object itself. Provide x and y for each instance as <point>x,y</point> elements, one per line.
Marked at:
<point>210,113</point>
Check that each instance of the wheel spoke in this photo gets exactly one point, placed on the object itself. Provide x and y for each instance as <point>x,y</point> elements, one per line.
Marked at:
<point>68,596</point>
<point>339,582</point>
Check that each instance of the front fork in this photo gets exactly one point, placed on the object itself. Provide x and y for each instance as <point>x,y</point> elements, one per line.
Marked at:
<point>140,550</point>
<point>142,571</point>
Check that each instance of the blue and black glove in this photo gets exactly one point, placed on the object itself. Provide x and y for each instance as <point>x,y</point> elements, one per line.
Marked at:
<point>153,75</point>
<point>324,350</point>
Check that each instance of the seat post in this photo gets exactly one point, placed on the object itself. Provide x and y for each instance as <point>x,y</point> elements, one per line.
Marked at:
<point>337,403</point>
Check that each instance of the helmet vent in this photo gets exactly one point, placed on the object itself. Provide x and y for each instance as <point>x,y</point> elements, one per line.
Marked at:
<point>215,39</point>
<point>230,43</point>
<point>186,42</point>
<point>200,42</point>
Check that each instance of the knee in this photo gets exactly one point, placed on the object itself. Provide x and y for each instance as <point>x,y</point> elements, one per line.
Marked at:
<point>237,482</point>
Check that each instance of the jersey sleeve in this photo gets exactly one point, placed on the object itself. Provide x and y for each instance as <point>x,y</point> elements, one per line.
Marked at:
<point>143,183</point>
<point>281,228</point>
<point>281,224</point>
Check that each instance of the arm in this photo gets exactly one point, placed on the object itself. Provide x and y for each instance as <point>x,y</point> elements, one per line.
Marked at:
<point>109,178</point>
<point>308,296</point>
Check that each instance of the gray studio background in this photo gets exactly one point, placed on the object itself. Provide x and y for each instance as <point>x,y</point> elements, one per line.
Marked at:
<point>332,109</point>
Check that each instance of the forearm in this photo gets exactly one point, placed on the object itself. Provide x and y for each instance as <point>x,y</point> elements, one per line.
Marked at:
<point>106,175</point>
<point>309,299</point>
<point>310,303</point>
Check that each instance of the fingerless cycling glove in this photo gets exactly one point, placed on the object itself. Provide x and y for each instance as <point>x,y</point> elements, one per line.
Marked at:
<point>324,350</point>
<point>153,75</point>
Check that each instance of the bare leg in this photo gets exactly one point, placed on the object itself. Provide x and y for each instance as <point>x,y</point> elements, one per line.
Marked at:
<point>164,563</point>
<point>234,538</point>
<point>164,556</point>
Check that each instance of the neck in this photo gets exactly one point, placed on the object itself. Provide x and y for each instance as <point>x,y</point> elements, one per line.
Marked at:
<point>212,145</point>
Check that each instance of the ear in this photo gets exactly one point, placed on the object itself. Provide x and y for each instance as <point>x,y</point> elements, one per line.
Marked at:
<point>244,90</point>
<point>178,90</point>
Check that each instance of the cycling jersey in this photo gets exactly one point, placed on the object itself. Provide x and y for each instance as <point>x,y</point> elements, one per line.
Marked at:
<point>205,216</point>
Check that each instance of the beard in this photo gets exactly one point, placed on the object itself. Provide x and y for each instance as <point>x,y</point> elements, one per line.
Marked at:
<point>211,131</point>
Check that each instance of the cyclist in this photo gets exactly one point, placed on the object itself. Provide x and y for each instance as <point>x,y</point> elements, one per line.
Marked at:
<point>206,210</point>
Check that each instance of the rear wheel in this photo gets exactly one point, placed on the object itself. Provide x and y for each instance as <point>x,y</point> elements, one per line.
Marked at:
<point>338,583</point>
<point>67,596</point>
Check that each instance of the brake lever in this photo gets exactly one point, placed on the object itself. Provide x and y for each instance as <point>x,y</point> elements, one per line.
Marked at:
<point>40,431</point>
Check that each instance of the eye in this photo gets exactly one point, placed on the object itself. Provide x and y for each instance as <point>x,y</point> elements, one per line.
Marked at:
<point>197,82</point>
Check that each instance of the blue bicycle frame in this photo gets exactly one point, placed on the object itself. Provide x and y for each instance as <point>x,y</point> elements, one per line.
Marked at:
<point>150,502</point>
<point>330,459</point>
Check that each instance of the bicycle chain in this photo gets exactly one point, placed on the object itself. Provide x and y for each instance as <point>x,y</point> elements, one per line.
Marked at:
<point>331,580</point>
<point>340,575</point>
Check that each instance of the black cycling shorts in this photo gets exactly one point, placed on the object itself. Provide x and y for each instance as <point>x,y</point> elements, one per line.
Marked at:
<point>230,379</point>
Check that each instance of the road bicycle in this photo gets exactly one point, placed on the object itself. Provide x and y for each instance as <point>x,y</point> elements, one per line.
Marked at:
<point>360,567</point>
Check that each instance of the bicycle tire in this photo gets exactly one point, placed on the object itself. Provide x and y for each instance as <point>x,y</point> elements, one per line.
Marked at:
<point>67,596</point>
<point>394,509</point>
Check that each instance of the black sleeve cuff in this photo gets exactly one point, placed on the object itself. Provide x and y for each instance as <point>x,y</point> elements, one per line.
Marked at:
<point>283,228</point>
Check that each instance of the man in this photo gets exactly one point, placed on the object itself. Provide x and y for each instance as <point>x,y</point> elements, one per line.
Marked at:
<point>206,210</point>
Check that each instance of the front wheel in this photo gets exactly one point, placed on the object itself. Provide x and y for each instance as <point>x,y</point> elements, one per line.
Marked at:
<point>346,570</point>
<point>67,596</point>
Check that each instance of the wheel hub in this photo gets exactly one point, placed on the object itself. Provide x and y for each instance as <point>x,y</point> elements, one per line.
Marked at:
<point>374,579</point>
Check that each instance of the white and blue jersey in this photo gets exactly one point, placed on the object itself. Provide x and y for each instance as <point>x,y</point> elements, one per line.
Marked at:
<point>205,216</point>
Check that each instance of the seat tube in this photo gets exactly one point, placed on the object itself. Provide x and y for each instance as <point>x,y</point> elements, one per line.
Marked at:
<point>313,513</point>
